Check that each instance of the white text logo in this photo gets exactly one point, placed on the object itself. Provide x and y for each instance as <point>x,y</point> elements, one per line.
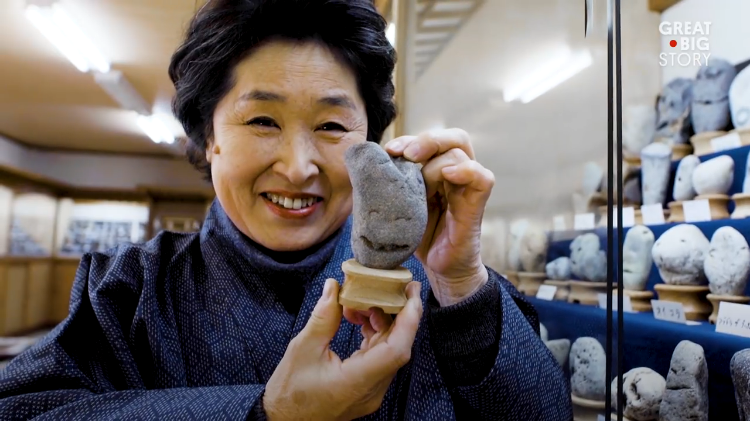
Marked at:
<point>689,40</point>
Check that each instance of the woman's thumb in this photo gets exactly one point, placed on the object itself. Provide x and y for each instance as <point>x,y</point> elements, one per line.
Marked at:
<point>325,318</point>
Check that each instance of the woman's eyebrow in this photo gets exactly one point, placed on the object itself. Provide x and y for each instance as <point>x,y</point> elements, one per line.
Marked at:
<point>331,101</point>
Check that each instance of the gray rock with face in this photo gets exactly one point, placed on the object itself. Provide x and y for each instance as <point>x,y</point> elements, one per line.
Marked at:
<point>587,261</point>
<point>636,257</point>
<point>656,164</point>
<point>739,99</point>
<point>679,255</point>
<point>683,179</point>
<point>727,264</point>
<point>631,191</point>
<point>559,269</point>
<point>643,390</point>
<point>390,206</point>
<point>740,369</point>
<point>686,394</point>
<point>714,176</point>
<point>534,249</point>
<point>587,365</point>
<point>710,108</point>
<point>674,124</point>
<point>560,349</point>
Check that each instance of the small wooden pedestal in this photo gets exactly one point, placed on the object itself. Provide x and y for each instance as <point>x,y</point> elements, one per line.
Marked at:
<point>563,289</point>
<point>529,282</point>
<point>680,151</point>
<point>741,206</point>
<point>639,300</point>
<point>717,204</point>
<point>675,212</point>
<point>586,293</point>
<point>702,142</point>
<point>693,299</point>
<point>365,288</point>
<point>586,409</point>
<point>717,299</point>
<point>512,277</point>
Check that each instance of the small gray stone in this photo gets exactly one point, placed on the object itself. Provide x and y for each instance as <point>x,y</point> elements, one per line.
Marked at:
<point>643,391</point>
<point>674,124</point>
<point>727,264</point>
<point>636,257</point>
<point>656,161</point>
<point>517,231</point>
<point>739,99</point>
<point>584,250</point>
<point>631,191</point>
<point>639,126</point>
<point>558,269</point>
<point>587,369</point>
<point>534,249</point>
<point>560,349</point>
<point>679,254</point>
<point>390,206</point>
<point>714,176</point>
<point>593,176</point>
<point>711,96</point>
<point>594,267</point>
<point>543,332</point>
<point>686,394</point>
<point>740,369</point>
<point>683,179</point>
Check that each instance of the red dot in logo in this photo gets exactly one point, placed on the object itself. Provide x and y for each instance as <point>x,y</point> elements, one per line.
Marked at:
<point>673,43</point>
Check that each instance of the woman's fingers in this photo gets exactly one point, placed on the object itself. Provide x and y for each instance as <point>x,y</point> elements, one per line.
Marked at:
<point>432,172</point>
<point>429,144</point>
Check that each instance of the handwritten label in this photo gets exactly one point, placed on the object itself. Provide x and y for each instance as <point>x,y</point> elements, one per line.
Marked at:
<point>628,217</point>
<point>626,304</point>
<point>546,292</point>
<point>558,223</point>
<point>696,210</point>
<point>728,141</point>
<point>652,214</point>
<point>584,221</point>
<point>669,311</point>
<point>733,319</point>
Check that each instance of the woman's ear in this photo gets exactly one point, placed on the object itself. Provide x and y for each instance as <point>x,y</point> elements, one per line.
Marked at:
<point>211,150</point>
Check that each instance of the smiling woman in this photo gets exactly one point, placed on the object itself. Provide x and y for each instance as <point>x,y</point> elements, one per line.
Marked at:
<point>243,320</point>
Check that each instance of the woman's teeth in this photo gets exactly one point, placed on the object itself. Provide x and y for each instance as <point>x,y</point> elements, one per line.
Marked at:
<point>289,203</point>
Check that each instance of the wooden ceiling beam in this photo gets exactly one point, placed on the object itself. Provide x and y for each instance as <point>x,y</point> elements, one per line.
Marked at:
<point>660,6</point>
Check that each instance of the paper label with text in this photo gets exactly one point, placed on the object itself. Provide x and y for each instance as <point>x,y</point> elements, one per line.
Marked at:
<point>652,214</point>
<point>584,221</point>
<point>696,210</point>
<point>546,292</point>
<point>733,319</point>
<point>669,311</point>
<point>628,217</point>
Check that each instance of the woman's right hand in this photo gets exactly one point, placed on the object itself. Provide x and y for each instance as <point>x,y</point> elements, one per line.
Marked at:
<point>312,383</point>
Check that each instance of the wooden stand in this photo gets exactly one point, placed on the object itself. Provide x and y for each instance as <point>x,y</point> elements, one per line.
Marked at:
<point>365,288</point>
<point>586,293</point>
<point>717,203</point>
<point>563,289</point>
<point>741,206</point>
<point>675,212</point>
<point>632,160</point>
<point>680,151</point>
<point>638,216</point>
<point>639,300</point>
<point>717,299</point>
<point>512,277</point>
<point>702,142</point>
<point>529,282</point>
<point>693,299</point>
<point>586,409</point>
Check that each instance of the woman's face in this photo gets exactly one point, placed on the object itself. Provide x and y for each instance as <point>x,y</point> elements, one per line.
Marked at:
<point>277,152</point>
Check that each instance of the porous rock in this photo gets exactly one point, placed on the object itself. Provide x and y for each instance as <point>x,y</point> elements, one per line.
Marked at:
<point>683,179</point>
<point>558,269</point>
<point>710,108</point>
<point>656,161</point>
<point>740,370</point>
<point>534,245</point>
<point>739,99</point>
<point>560,349</point>
<point>686,394</point>
<point>390,206</point>
<point>587,369</point>
<point>636,257</point>
<point>587,261</point>
<point>714,176</point>
<point>727,264</point>
<point>674,125</point>
<point>643,390</point>
<point>679,255</point>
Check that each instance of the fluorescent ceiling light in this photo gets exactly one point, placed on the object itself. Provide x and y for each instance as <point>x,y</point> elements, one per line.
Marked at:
<point>390,33</point>
<point>426,48</point>
<point>452,6</point>
<point>63,33</point>
<point>561,67</point>
<point>155,129</point>
<point>440,22</point>
<point>118,87</point>
<point>431,36</point>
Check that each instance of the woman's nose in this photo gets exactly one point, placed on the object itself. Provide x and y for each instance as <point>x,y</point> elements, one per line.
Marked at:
<point>298,160</point>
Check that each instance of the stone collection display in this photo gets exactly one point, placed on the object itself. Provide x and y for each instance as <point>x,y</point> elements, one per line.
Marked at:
<point>710,105</point>
<point>686,394</point>
<point>739,99</point>
<point>587,261</point>
<point>593,176</point>
<point>533,252</point>
<point>740,370</point>
<point>390,206</point>
<point>679,255</point>
<point>643,390</point>
<point>714,176</point>
<point>746,181</point>
<point>636,257</point>
<point>560,349</point>
<point>631,191</point>
<point>656,161</point>
<point>727,264</point>
<point>559,269</point>
<point>639,127</point>
<point>674,124</point>
<point>587,369</point>
<point>517,231</point>
<point>683,179</point>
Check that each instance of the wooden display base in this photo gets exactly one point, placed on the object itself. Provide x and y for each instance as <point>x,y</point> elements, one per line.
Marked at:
<point>717,299</point>
<point>741,206</point>
<point>563,289</point>
<point>586,293</point>
<point>639,300</point>
<point>529,282</point>
<point>512,276</point>
<point>693,299</point>
<point>586,409</point>
<point>717,204</point>
<point>638,216</point>
<point>632,160</point>
<point>365,288</point>
<point>702,142</point>
<point>675,212</point>
<point>680,151</point>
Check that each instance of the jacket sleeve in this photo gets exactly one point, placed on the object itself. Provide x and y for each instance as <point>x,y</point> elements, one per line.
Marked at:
<point>85,368</point>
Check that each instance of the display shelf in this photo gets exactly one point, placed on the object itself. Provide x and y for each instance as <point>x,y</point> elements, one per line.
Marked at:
<point>648,342</point>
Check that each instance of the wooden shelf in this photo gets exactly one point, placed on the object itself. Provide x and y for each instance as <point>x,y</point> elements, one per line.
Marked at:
<point>661,5</point>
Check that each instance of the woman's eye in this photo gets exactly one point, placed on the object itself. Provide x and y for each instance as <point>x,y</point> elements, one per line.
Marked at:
<point>332,127</point>
<point>262,121</point>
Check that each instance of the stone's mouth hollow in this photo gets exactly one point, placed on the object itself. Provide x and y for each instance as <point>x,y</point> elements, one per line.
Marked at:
<point>382,247</point>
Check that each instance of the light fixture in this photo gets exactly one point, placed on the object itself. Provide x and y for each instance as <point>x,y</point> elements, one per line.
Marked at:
<point>390,33</point>
<point>561,67</point>
<point>118,87</point>
<point>62,32</point>
<point>155,128</point>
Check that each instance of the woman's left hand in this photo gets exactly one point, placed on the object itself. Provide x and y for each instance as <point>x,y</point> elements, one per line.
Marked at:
<point>458,188</point>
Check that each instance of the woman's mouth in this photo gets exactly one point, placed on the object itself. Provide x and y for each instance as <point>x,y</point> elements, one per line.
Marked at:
<point>291,207</point>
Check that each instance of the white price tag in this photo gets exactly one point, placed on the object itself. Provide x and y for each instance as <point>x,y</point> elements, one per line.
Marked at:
<point>584,221</point>
<point>696,210</point>
<point>558,223</point>
<point>626,304</point>
<point>628,217</point>
<point>728,141</point>
<point>652,214</point>
<point>733,319</point>
<point>546,292</point>
<point>669,311</point>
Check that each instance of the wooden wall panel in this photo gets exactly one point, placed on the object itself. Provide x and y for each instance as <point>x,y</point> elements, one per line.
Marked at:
<point>38,293</point>
<point>63,275</point>
<point>15,294</point>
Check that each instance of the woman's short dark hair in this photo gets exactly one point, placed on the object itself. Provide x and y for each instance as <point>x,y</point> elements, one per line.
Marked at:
<point>224,32</point>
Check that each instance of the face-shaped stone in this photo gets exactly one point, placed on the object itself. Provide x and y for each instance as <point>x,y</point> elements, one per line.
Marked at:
<point>739,99</point>
<point>711,96</point>
<point>389,206</point>
<point>673,122</point>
